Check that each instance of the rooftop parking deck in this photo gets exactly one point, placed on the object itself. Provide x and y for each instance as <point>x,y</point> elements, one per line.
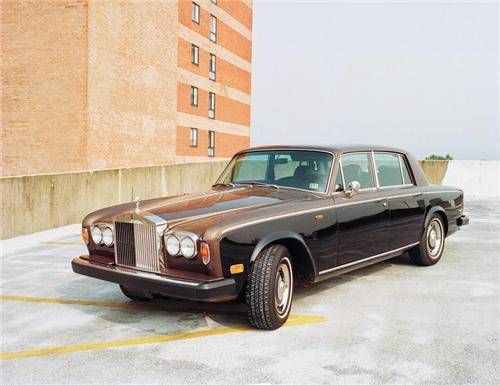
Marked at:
<point>392,322</point>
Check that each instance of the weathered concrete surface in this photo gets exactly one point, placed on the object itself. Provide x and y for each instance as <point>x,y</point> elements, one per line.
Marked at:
<point>390,323</point>
<point>40,202</point>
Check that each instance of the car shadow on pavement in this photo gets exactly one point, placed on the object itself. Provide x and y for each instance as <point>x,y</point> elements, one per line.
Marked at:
<point>188,314</point>
<point>304,291</point>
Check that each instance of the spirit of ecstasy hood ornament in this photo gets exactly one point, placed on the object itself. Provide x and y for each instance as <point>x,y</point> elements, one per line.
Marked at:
<point>137,203</point>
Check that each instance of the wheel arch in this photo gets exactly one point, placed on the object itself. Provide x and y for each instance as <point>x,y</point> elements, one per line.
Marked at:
<point>441,212</point>
<point>302,260</point>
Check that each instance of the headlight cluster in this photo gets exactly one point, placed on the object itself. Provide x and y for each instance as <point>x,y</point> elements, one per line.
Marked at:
<point>102,234</point>
<point>178,244</point>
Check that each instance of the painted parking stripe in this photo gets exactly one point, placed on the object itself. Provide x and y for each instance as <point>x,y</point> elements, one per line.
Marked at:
<point>175,307</point>
<point>62,243</point>
<point>294,320</point>
<point>124,305</point>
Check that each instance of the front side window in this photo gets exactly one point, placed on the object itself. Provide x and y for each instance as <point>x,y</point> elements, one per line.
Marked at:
<point>193,137</point>
<point>194,96</point>
<point>211,143</point>
<point>388,169</point>
<point>357,167</point>
<point>213,28</point>
<point>195,54</point>
<point>195,16</point>
<point>301,169</point>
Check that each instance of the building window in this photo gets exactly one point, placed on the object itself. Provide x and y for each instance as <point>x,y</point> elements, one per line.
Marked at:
<point>211,74</point>
<point>211,105</point>
<point>193,137</point>
<point>194,96</point>
<point>211,143</point>
<point>213,28</point>
<point>195,54</point>
<point>196,13</point>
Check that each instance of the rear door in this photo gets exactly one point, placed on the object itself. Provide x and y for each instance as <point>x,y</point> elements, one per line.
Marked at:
<point>406,204</point>
<point>363,219</point>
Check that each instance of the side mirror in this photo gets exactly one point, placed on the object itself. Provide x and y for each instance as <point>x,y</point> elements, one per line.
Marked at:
<point>353,188</point>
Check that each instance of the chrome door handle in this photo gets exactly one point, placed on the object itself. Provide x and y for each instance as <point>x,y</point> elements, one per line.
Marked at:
<point>384,204</point>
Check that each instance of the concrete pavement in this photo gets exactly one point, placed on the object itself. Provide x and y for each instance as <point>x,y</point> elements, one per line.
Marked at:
<point>389,323</point>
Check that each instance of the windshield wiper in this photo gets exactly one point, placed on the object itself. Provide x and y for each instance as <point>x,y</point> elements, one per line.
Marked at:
<point>256,183</point>
<point>224,184</point>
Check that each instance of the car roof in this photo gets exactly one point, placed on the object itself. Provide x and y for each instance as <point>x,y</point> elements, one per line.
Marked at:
<point>336,149</point>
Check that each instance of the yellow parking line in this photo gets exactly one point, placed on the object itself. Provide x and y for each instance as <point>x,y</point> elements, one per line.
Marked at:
<point>62,243</point>
<point>77,302</point>
<point>294,320</point>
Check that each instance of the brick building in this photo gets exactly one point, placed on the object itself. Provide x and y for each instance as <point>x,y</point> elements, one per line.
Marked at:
<point>89,84</point>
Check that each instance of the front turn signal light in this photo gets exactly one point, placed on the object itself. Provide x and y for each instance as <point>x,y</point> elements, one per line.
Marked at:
<point>236,269</point>
<point>205,253</point>
<point>85,235</point>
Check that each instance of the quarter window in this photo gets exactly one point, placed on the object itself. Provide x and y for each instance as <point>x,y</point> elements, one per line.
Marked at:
<point>193,137</point>
<point>211,143</point>
<point>213,28</point>
<point>357,167</point>
<point>339,184</point>
<point>195,54</point>
<point>404,169</point>
<point>195,16</point>
<point>388,169</point>
<point>194,96</point>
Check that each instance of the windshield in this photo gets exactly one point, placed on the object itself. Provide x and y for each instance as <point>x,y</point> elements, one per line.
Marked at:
<point>307,170</point>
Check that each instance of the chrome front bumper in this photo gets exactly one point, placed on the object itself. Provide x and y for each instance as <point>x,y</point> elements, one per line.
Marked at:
<point>211,291</point>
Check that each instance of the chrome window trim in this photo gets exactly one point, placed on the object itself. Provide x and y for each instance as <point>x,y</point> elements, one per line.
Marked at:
<point>367,259</point>
<point>327,189</point>
<point>396,185</point>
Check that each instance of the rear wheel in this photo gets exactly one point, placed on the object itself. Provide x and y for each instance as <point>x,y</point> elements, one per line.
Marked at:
<point>431,246</point>
<point>269,289</point>
<point>136,294</point>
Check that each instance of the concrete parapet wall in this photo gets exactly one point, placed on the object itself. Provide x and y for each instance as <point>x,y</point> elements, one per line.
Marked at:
<point>478,178</point>
<point>40,202</point>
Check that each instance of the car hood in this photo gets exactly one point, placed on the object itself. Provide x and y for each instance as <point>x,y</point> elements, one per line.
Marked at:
<point>194,207</point>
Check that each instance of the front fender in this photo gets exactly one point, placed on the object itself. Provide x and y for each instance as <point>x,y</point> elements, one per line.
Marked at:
<point>290,239</point>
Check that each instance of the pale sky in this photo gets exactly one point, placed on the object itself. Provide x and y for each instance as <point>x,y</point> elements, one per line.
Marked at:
<point>422,76</point>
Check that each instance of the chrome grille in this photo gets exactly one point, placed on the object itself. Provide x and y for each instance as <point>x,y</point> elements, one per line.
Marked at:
<point>136,245</point>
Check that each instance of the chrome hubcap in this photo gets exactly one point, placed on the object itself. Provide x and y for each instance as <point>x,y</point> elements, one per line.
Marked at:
<point>435,238</point>
<point>283,287</point>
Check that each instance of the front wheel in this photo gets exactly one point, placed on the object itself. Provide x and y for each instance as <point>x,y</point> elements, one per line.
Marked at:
<point>431,246</point>
<point>269,289</point>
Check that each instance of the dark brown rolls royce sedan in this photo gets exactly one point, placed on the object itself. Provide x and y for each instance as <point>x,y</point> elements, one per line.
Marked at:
<point>275,215</point>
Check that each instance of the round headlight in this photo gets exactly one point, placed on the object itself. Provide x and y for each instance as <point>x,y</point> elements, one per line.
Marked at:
<point>97,235</point>
<point>172,244</point>
<point>188,247</point>
<point>107,236</point>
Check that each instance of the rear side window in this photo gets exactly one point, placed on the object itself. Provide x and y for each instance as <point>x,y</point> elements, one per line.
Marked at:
<point>406,172</point>
<point>357,167</point>
<point>388,169</point>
